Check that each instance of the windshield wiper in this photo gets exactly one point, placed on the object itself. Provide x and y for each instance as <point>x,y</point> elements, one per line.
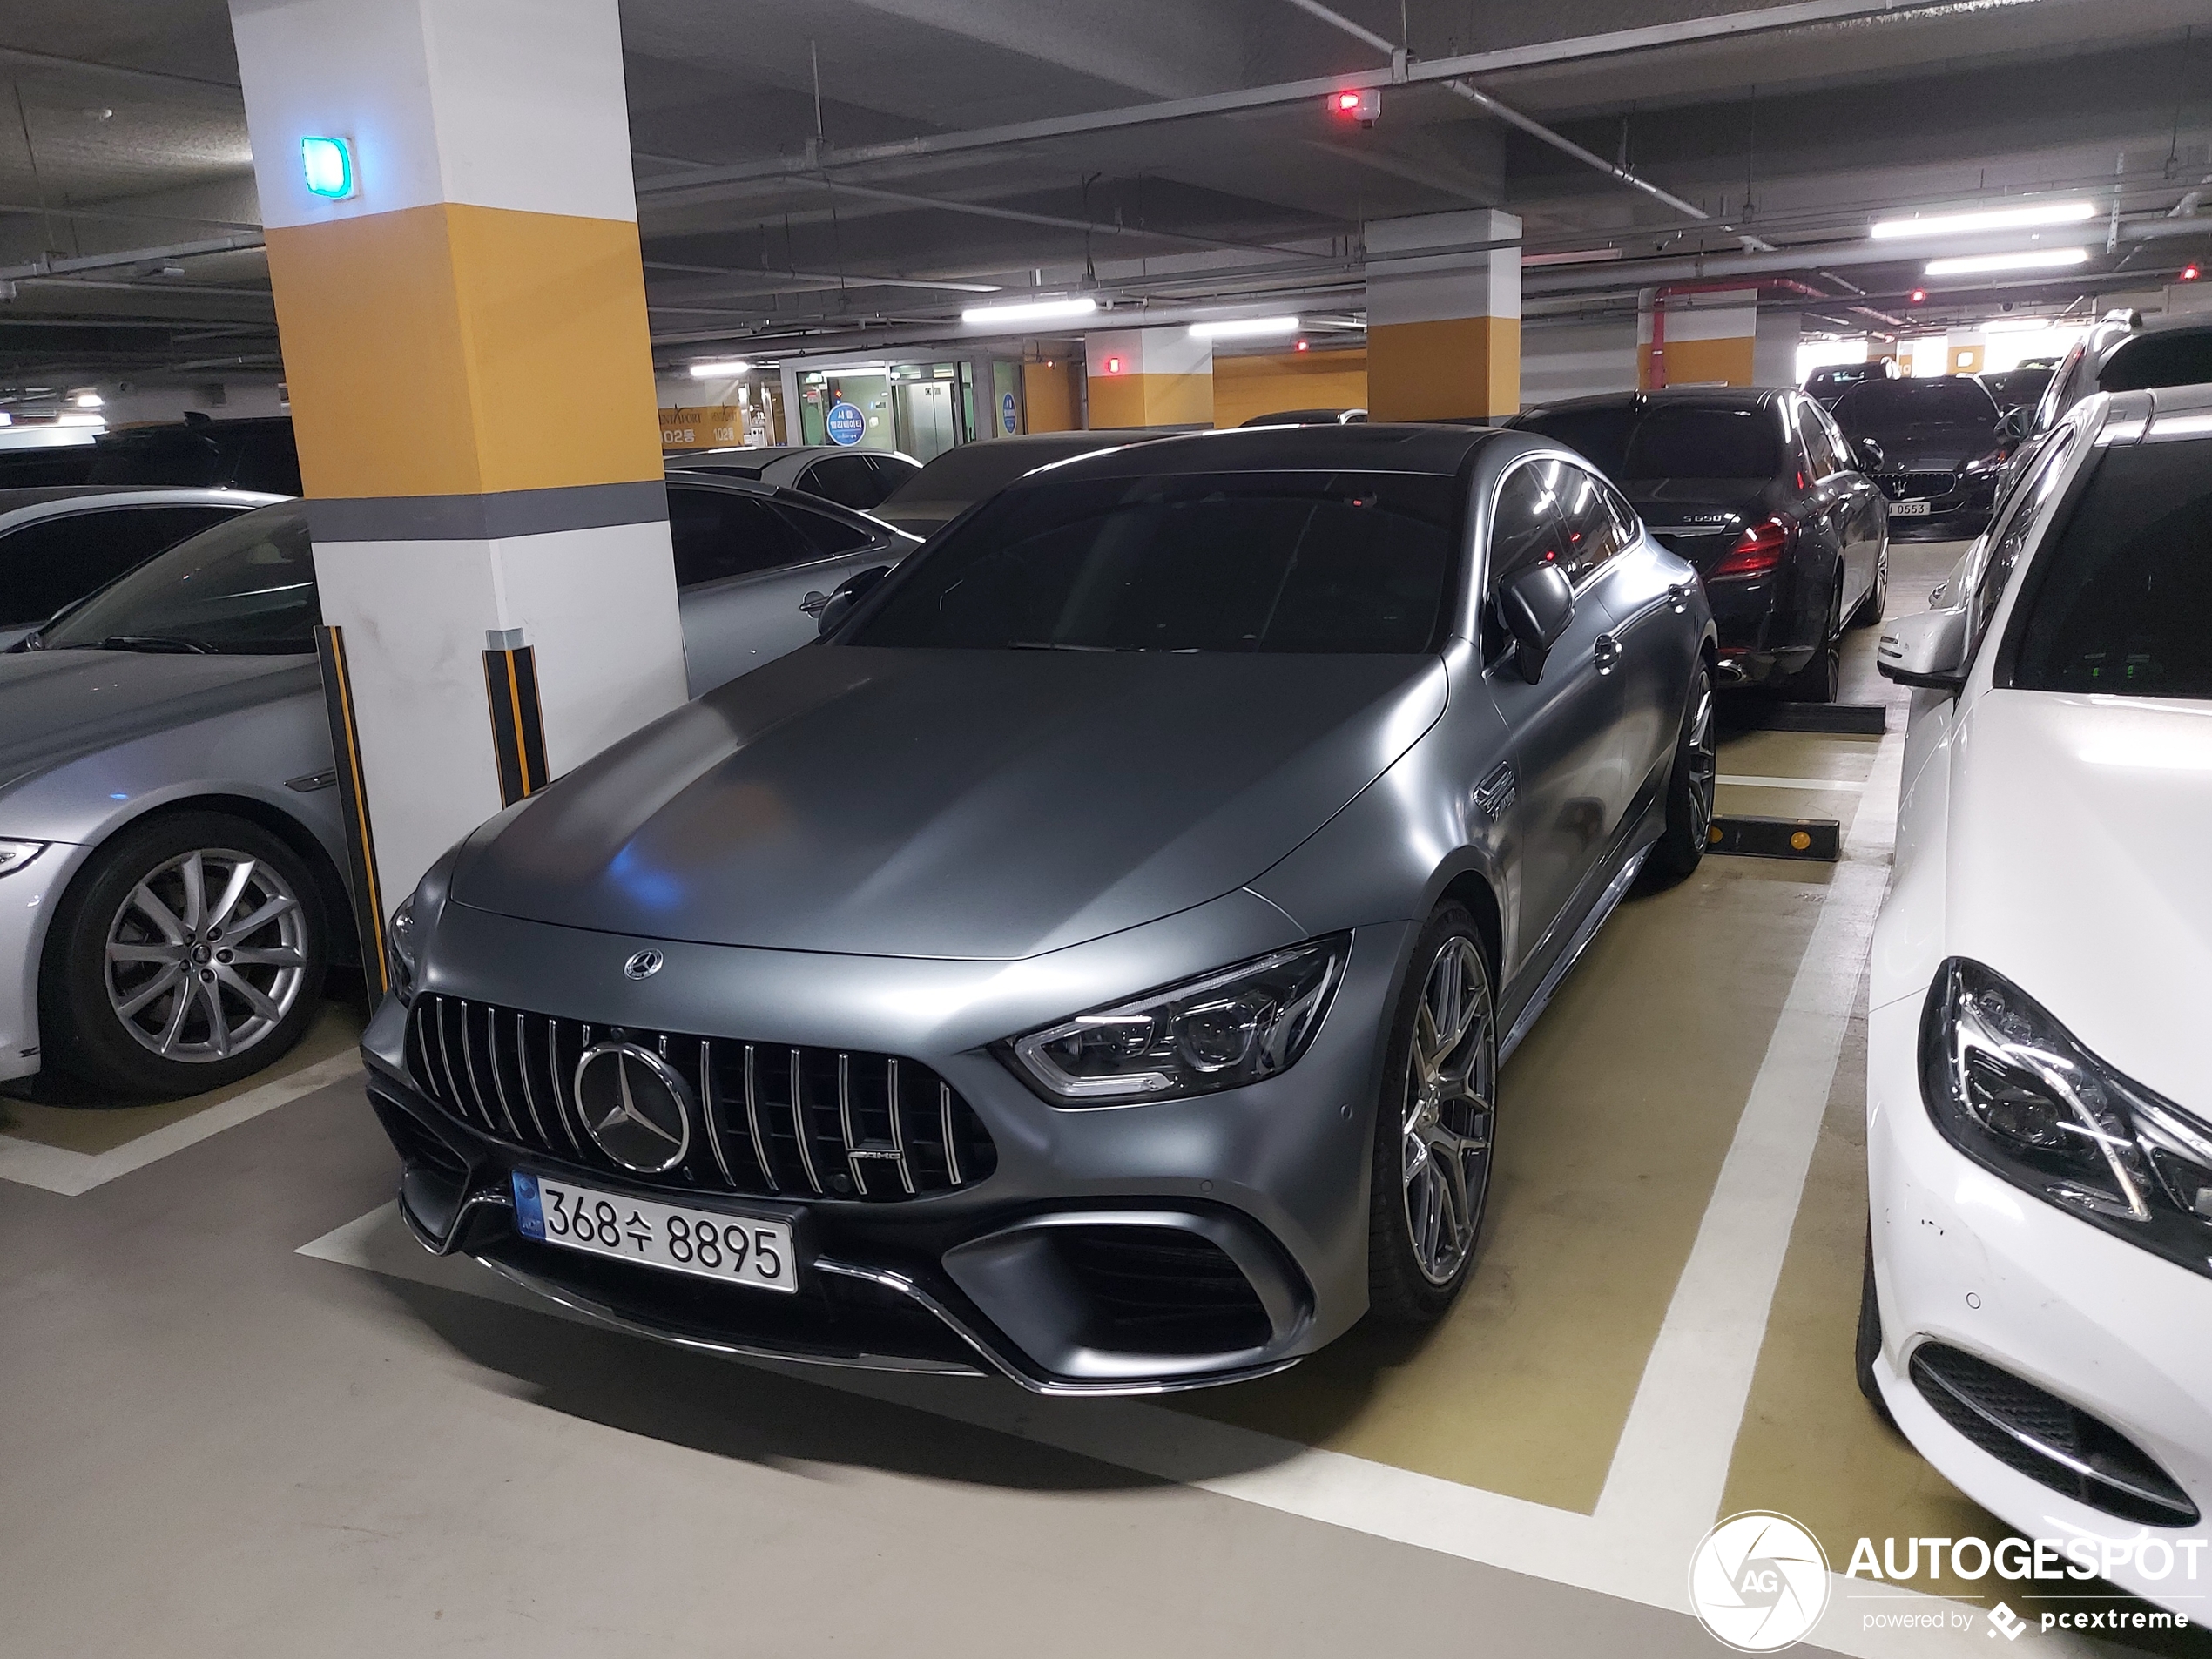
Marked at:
<point>172,642</point>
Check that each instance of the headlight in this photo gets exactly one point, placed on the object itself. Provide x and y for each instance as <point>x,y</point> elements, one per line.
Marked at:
<point>15,854</point>
<point>2008,1086</point>
<point>400,946</point>
<point>1227,1029</point>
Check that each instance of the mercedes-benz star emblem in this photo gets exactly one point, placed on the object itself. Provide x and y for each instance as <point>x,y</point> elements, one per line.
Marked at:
<point>644,965</point>
<point>635,1105</point>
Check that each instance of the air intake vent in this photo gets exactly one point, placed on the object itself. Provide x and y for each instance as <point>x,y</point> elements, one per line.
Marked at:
<point>1161,1290</point>
<point>773,1121</point>
<point>2052,1443</point>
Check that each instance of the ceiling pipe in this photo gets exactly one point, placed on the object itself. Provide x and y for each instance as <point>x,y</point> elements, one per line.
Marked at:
<point>1616,43</point>
<point>834,279</point>
<point>1022,216</point>
<point>1400,57</point>
<point>244,241</point>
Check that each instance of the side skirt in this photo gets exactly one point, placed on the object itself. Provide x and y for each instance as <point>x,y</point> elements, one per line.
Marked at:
<point>1615,891</point>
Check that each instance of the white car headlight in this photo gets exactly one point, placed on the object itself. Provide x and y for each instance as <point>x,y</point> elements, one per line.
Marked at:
<point>401,948</point>
<point>1223,1030</point>
<point>2011,1088</point>
<point>15,854</point>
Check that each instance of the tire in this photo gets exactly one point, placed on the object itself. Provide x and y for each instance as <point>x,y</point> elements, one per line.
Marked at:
<point>1689,786</point>
<point>1820,679</point>
<point>1869,614</point>
<point>1426,1213</point>
<point>133,980</point>
<point>1868,1348</point>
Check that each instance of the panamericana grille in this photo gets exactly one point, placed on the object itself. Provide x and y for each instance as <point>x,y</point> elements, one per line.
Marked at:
<point>1916,486</point>
<point>769,1120</point>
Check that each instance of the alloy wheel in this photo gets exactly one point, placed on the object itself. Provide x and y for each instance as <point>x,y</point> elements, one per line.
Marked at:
<point>1705,763</point>
<point>205,956</point>
<point>1449,1109</point>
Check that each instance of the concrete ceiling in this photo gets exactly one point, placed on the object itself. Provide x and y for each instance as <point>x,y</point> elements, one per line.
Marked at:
<point>122,132</point>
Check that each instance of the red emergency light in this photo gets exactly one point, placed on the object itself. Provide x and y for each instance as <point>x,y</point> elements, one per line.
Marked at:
<point>1360,104</point>
<point>1113,365</point>
<point>2190,273</point>
<point>1919,296</point>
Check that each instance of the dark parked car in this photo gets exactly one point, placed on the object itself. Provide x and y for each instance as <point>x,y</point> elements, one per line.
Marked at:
<point>2120,354</point>
<point>1092,962</point>
<point>1826,385</point>
<point>1935,446</point>
<point>1757,490</point>
<point>1310,417</point>
<point>963,476</point>
<point>57,545</point>
<point>2016,388</point>
<point>257,453</point>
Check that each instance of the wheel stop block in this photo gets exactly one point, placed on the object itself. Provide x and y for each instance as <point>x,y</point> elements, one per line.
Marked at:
<point>1819,838</point>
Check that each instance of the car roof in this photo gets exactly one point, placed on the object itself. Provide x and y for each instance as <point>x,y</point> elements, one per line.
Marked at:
<point>41,495</point>
<point>1731,397</point>
<point>1439,450</point>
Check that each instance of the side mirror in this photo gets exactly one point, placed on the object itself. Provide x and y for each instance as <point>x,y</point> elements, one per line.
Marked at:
<point>830,609</point>
<point>1535,606</point>
<point>1869,454</point>
<point>1929,650</point>
<point>2013,427</point>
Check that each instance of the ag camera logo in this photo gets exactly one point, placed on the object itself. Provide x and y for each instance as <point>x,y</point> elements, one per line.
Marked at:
<point>1758,1582</point>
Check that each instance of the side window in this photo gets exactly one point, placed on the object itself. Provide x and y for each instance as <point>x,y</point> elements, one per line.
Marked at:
<point>48,562</point>
<point>717,534</point>
<point>2006,543</point>
<point>1820,458</point>
<point>1839,445</point>
<point>827,536</point>
<point>1524,526</point>
<point>1592,533</point>
<point>891,471</point>
<point>847,480</point>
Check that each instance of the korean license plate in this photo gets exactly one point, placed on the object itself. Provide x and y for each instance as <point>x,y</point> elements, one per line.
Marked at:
<point>1910,508</point>
<point>751,1250</point>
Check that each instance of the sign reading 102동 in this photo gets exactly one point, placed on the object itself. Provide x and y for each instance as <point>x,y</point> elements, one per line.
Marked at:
<point>844,423</point>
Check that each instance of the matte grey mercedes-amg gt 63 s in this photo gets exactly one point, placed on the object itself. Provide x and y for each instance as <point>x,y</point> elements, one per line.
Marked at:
<point>1091,960</point>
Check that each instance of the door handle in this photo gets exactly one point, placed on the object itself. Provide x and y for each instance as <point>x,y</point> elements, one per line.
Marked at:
<point>1495,793</point>
<point>1678,596</point>
<point>1607,653</point>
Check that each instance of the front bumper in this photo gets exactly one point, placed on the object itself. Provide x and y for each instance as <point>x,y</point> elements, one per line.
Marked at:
<point>1958,514</point>
<point>27,901</point>
<point>1263,1188</point>
<point>1965,1259</point>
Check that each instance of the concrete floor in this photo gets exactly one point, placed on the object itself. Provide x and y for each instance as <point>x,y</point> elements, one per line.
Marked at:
<point>244,1415</point>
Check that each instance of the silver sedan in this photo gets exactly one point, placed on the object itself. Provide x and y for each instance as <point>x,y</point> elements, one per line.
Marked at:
<point>170,840</point>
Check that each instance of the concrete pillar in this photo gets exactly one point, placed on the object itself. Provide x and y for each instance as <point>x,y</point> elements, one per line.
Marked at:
<point>1444,327</point>
<point>1774,348</point>
<point>471,380</point>
<point>1149,377</point>
<point>1696,339</point>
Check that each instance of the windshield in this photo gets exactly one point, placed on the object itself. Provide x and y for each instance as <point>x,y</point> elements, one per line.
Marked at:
<point>1873,407</point>
<point>1680,441</point>
<point>2012,388</point>
<point>2182,358</point>
<point>974,470</point>
<point>246,588</point>
<point>1236,561</point>
<point>2122,603</point>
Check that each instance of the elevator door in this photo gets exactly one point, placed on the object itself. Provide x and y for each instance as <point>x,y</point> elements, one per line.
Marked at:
<point>926,418</point>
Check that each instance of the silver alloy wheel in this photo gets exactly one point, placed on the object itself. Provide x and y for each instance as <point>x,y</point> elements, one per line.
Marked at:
<point>1448,1110</point>
<point>205,956</point>
<point>1705,763</point>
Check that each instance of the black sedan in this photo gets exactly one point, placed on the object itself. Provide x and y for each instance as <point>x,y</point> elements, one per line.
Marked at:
<point>1758,491</point>
<point>1935,446</point>
<point>1825,385</point>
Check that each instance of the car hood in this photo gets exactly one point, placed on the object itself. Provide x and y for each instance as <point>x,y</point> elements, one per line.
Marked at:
<point>984,805</point>
<point>56,705</point>
<point>1929,448</point>
<point>2076,869</point>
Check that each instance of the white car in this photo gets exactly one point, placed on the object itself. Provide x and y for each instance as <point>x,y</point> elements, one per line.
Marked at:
<point>2037,1312</point>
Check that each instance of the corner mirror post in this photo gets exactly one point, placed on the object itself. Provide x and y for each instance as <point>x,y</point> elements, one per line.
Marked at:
<point>1536,605</point>
<point>1928,651</point>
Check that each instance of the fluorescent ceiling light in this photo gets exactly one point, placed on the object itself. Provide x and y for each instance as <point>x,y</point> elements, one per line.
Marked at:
<point>1995,218</point>
<point>87,399</point>
<point>1023,311</point>
<point>2034,259</point>
<point>721,371</point>
<point>2016,325</point>
<point>1244,328</point>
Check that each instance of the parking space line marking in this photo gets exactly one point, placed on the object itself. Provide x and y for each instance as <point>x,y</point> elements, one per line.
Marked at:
<point>1670,1468</point>
<point>1741,781</point>
<point>1423,1511</point>
<point>55,1169</point>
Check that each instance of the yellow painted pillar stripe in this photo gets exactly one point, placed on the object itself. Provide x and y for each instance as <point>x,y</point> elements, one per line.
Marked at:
<point>450,349</point>
<point>1455,366</point>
